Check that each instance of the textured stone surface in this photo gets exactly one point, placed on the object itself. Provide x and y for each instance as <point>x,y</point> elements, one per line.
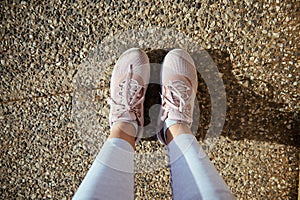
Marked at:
<point>254,45</point>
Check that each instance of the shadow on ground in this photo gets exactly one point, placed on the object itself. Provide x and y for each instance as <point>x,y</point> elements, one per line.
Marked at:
<point>248,116</point>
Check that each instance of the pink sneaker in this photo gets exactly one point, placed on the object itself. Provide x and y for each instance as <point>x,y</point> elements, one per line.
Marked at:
<point>128,85</point>
<point>179,87</point>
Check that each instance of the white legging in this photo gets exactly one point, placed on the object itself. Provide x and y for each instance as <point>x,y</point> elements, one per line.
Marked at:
<point>193,175</point>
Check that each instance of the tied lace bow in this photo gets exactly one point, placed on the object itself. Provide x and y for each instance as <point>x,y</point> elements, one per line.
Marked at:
<point>132,98</point>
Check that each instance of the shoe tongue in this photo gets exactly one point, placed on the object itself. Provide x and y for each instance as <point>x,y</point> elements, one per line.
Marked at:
<point>132,89</point>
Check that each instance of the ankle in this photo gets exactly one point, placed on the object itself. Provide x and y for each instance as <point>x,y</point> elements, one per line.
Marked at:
<point>175,130</point>
<point>124,130</point>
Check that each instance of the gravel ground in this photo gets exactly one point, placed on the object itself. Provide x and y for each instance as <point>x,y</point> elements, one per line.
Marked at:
<point>44,45</point>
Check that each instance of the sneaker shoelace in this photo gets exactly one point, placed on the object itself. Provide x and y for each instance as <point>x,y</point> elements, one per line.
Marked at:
<point>176,98</point>
<point>131,94</point>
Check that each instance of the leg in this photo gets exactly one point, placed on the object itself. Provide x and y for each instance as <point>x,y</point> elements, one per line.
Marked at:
<point>112,174</point>
<point>112,170</point>
<point>193,175</point>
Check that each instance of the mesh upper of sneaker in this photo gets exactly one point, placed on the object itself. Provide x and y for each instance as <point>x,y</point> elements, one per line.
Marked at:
<point>129,100</point>
<point>129,82</point>
<point>179,85</point>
